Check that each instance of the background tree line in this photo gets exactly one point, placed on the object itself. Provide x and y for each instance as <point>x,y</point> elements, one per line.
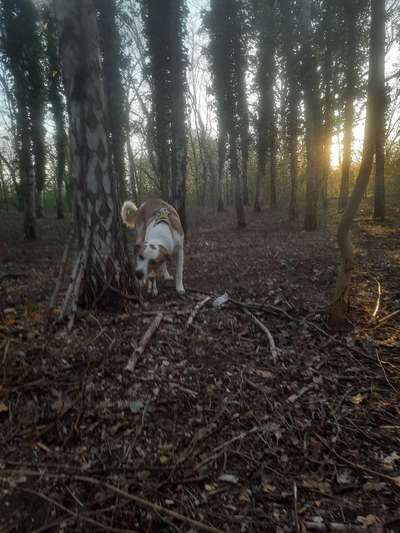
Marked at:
<point>215,103</point>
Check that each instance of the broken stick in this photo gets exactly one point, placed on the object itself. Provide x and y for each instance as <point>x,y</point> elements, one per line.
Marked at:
<point>196,309</point>
<point>272,345</point>
<point>144,342</point>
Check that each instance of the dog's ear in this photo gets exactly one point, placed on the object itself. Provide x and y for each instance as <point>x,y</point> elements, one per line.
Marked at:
<point>163,254</point>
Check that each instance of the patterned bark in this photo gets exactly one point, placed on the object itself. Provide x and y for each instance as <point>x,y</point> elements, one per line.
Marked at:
<point>102,259</point>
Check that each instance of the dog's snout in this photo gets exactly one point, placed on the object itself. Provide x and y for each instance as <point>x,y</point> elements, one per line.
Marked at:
<point>139,274</point>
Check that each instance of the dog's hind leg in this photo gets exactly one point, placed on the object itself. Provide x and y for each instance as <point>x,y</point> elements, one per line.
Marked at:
<point>179,269</point>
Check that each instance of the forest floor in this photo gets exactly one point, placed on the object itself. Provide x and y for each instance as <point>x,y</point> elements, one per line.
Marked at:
<point>208,432</point>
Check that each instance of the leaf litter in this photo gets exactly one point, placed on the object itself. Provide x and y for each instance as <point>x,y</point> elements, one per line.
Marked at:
<point>206,432</point>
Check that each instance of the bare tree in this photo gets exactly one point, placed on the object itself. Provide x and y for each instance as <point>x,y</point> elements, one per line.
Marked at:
<point>341,301</point>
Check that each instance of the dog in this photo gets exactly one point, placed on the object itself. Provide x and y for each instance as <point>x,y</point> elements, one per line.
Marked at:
<point>159,236</point>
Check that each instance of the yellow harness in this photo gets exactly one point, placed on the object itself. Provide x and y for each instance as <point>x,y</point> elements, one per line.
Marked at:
<point>162,215</point>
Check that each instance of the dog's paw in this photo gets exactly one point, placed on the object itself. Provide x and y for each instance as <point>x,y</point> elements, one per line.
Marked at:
<point>181,291</point>
<point>168,277</point>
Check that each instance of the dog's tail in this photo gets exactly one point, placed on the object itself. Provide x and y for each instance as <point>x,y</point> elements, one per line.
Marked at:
<point>128,214</point>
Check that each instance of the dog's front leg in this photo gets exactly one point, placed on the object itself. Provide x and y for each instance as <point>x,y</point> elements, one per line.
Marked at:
<point>149,286</point>
<point>179,270</point>
<point>154,291</point>
<point>165,274</point>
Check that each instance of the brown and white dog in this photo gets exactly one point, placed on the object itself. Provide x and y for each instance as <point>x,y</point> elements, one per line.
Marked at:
<point>159,236</point>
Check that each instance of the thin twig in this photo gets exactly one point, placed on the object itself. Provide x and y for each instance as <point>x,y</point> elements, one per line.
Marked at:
<point>272,345</point>
<point>387,317</point>
<point>144,342</point>
<point>378,300</point>
<point>384,373</point>
<point>393,480</point>
<point>196,309</point>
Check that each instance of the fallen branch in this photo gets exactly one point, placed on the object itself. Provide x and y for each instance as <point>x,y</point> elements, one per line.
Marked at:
<point>61,274</point>
<point>272,345</point>
<point>332,526</point>
<point>78,516</point>
<point>144,342</point>
<point>196,309</point>
<point>12,275</point>
<point>133,497</point>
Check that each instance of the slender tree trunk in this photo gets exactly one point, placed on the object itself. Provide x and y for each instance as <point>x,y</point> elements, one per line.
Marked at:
<point>27,180</point>
<point>102,258</point>
<point>347,143</point>
<point>273,164</point>
<point>237,182</point>
<point>379,185</point>
<point>27,177</point>
<point>39,154</point>
<point>57,107</point>
<point>265,77</point>
<point>327,80</point>
<point>61,142</point>
<point>178,108</point>
<point>244,137</point>
<point>221,163</point>
<point>328,121</point>
<point>133,182</point>
<point>349,94</point>
<point>340,305</point>
<point>261,162</point>
<point>293,132</point>
<point>291,61</point>
<point>313,122</point>
<point>114,92</point>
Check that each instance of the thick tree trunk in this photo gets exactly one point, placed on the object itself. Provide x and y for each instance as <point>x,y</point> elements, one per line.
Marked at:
<point>102,259</point>
<point>340,305</point>
<point>114,92</point>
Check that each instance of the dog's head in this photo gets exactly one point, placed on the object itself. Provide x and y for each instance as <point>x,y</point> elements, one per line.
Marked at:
<point>149,258</point>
